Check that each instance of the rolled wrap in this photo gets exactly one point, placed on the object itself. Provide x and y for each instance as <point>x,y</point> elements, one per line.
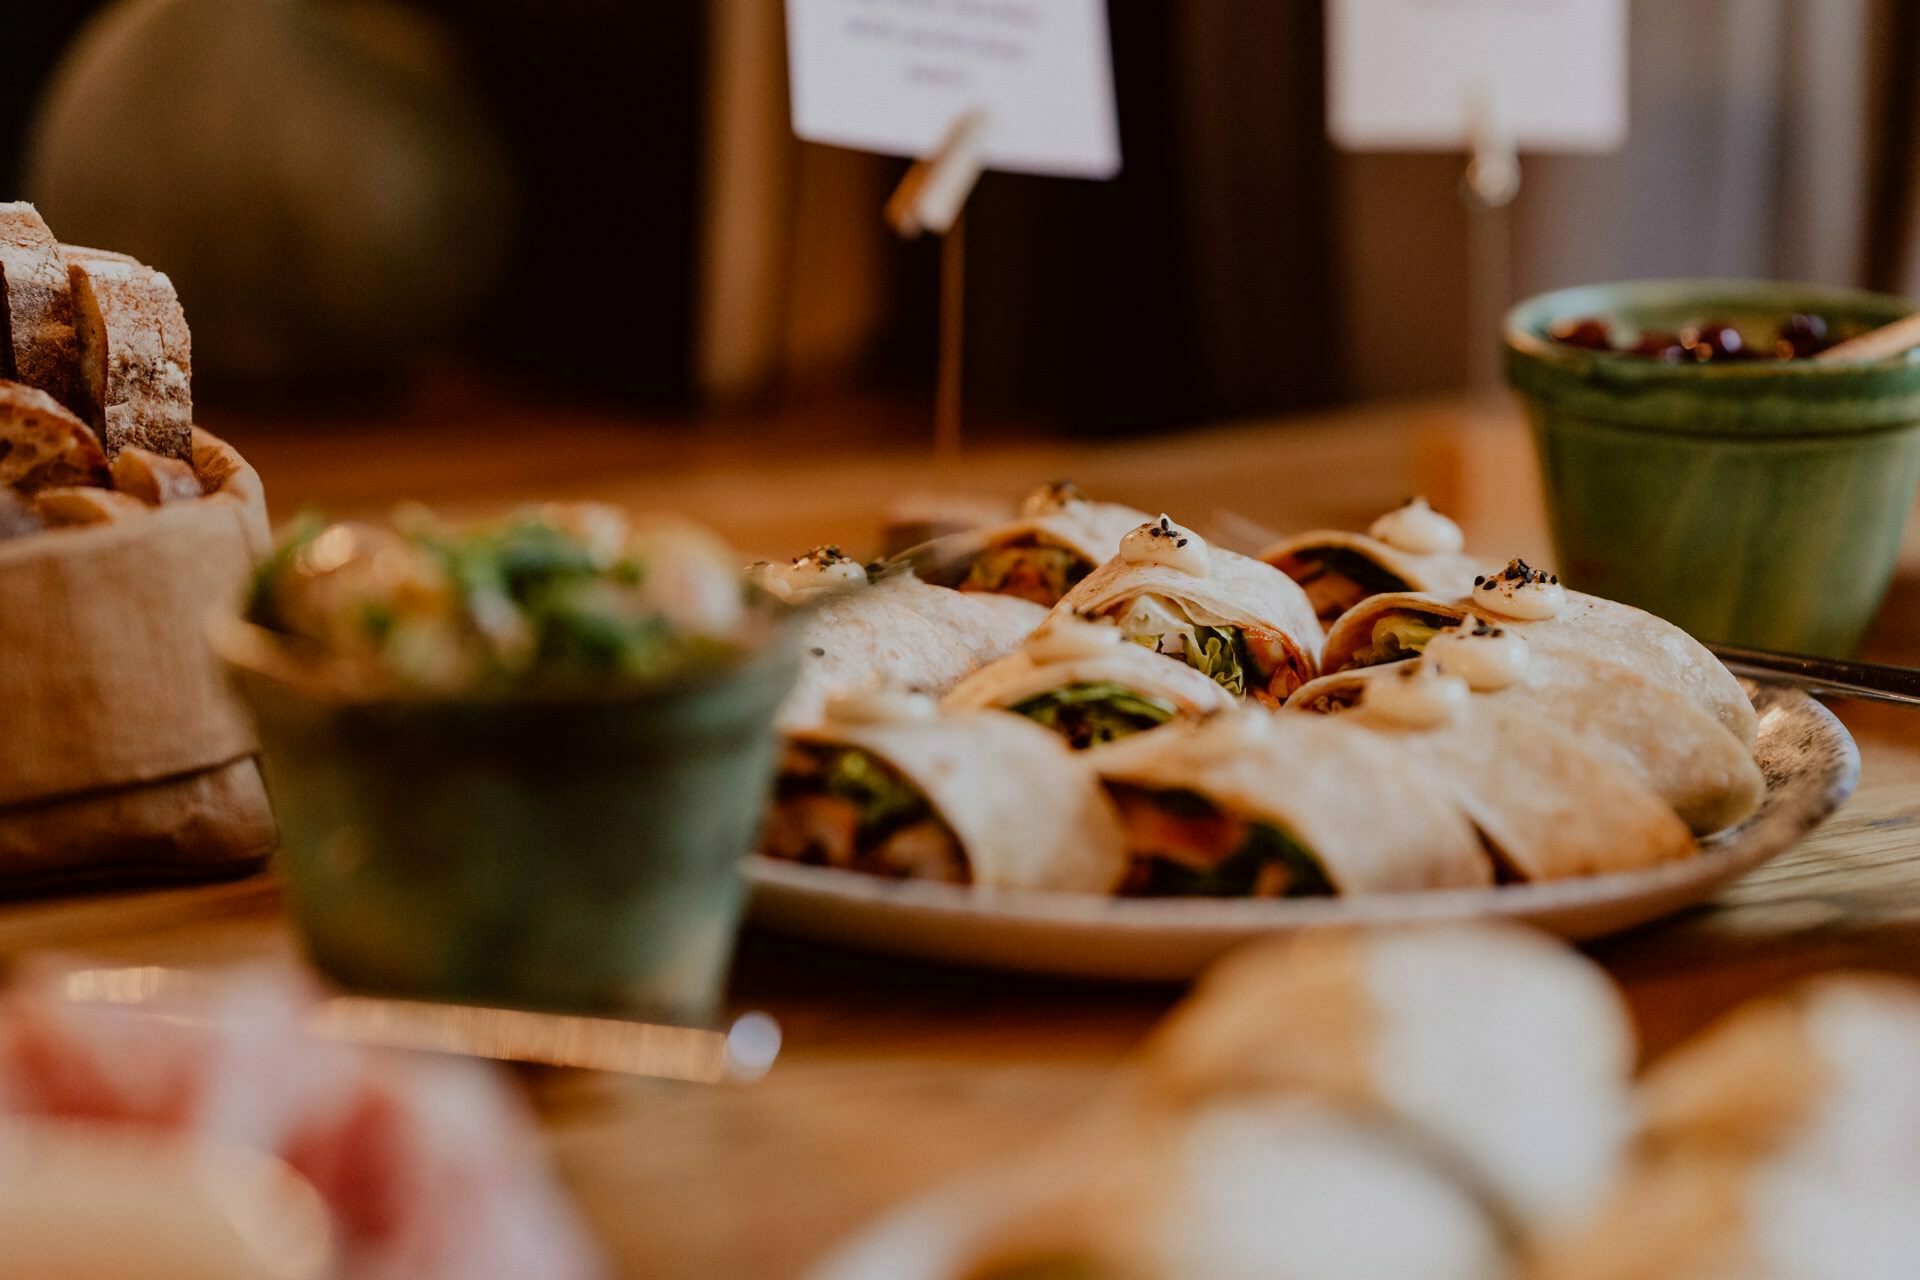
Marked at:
<point>901,631</point>
<point>1027,812</point>
<point>1374,822</point>
<point>1587,629</point>
<point>1301,557</point>
<point>1676,750</point>
<point>1549,806</point>
<point>1020,676</point>
<point>1091,531</point>
<point>1236,591</point>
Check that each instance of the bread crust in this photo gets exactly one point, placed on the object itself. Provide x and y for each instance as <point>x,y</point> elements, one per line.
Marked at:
<point>36,305</point>
<point>42,445</point>
<point>76,507</point>
<point>154,480</point>
<point>135,353</point>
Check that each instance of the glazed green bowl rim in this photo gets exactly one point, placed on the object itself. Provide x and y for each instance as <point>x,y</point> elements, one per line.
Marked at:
<point>247,648</point>
<point>1772,398</point>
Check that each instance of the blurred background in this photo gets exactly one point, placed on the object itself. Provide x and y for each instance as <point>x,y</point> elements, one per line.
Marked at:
<point>600,202</point>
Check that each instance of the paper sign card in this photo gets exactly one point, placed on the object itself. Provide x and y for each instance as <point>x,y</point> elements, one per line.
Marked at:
<point>1413,75</point>
<point>894,76</point>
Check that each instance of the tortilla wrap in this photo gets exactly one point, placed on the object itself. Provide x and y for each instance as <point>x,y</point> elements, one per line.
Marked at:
<point>1548,806</point>
<point>1091,530</point>
<point>1028,813</point>
<point>901,631</point>
<point>1237,591</point>
<point>1588,628</point>
<point>1373,822</point>
<point>1677,751</point>
<point>1447,573</point>
<point>1017,677</point>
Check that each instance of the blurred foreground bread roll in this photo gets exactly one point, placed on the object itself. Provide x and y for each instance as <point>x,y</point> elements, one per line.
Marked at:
<point>84,1201</point>
<point>42,446</point>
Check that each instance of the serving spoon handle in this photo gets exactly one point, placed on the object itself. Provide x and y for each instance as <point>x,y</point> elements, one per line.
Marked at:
<point>1877,682</point>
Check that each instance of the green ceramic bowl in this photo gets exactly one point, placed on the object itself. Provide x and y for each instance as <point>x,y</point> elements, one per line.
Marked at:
<point>561,854</point>
<point>1759,503</point>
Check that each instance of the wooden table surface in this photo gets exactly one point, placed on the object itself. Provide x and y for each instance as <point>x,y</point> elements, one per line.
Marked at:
<point>896,1074</point>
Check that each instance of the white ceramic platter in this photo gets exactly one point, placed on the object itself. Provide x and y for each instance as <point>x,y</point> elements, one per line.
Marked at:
<point>1810,762</point>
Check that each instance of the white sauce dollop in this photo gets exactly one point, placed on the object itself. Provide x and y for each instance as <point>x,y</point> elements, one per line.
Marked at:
<point>1069,639</point>
<point>1416,696</point>
<point>1165,543</point>
<point>879,706</point>
<point>1418,529</point>
<point>1520,591</point>
<point>1486,657</point>
<point>1050,499</point>
<point>819,572</point>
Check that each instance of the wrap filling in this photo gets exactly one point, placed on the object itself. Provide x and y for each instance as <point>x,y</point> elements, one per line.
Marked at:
<point>1398,636</point>
<point>1250,662</point>
<point>1338,578</point>
<point>1089,714</point>
<point>1027,567</point>
<point>843,807</point>
<point>1183,845</point>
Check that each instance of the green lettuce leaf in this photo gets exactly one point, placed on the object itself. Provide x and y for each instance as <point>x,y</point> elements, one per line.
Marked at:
<point>886,801</point>
<point>1091,713</point>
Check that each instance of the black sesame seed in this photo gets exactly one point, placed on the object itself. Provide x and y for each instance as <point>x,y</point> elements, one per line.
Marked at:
<point>818,652</point>
<point>1181,543</point>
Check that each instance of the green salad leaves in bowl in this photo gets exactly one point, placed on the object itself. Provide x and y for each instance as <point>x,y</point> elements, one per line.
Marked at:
<point>516,763</point>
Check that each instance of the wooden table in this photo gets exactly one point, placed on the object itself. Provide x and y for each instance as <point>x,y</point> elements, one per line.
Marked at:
<point>898,1075</point>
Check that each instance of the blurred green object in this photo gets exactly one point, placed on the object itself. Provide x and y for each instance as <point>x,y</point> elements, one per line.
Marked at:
<point>573,854</point>
<point>315,175</point>
<point>1758,502</point>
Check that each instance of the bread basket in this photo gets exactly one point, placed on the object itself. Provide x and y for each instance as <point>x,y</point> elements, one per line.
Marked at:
<point>124,757</point>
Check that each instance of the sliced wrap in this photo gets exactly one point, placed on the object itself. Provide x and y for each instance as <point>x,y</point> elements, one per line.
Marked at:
<point>1093,696</point>
<point>1385,628</point>
<point>1349,805</point>
<point>1058,539</point>
<point>1243,622</point>
<point>1679,752</point>
<point>976,797</point>
<point>901,631</point>
<point>1549,806</point>
<point>1338,569</point>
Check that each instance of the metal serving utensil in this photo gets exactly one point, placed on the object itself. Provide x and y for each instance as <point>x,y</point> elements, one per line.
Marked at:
<point>742,1051</point>
<point>1877,682</point>
<point>1830,677</point>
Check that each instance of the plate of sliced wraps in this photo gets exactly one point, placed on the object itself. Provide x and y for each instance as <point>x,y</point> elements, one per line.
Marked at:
<point>1190,748</point>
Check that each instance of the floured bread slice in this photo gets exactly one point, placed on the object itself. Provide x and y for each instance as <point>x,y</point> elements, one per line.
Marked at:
<point>36,305</point>
<point>136,356</point>
<point>74,507</point>
<point>145,475</point>
<point>43,446</point>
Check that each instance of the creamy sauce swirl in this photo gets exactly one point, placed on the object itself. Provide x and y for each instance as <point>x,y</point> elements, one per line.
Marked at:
<point>819,572</point>
<point>1069,639</point>
<point>1520,591</point>
<point>1487,657</point>
<point>1418,695</point>
<point>1418,529</point>
<point>1163,542</point>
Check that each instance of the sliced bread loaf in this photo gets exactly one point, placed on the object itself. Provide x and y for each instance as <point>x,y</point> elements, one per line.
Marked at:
<point>36,305</point>
<point>136,356</point>
<point>42,445</point>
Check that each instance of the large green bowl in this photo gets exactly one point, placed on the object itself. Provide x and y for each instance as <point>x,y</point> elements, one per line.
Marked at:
<point>1756,502</point>
<point>580,854</point>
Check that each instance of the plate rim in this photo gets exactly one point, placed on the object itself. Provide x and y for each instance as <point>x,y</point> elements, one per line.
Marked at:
<point>1724,854</point>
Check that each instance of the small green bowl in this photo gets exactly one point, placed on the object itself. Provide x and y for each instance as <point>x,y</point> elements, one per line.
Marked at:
<point>576,854</point>
<point>1757,502</point>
